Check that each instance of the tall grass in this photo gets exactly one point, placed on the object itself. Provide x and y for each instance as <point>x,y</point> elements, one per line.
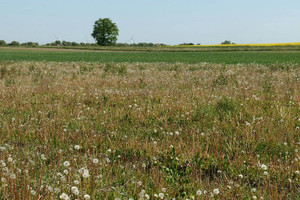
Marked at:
<point>149,131</point>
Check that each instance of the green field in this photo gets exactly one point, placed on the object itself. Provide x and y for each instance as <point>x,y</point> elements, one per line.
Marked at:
<point>234,57</point>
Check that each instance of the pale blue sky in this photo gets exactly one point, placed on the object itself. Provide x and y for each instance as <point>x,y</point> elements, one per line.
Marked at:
<point>158,21</point>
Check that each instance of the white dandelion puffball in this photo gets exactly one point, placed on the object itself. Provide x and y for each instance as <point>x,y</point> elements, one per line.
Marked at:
<point>75,190</point>
<point>198,192</point>
<point>77,147</point>
<point>85,173</point>
<point>86,197</point>
<point>95,161</point>
<point>216,191</point>
<point>264,167</point>
<point>64,196</point>
<point>66,163</point>
<point>161,195</point>
<point>43,157</point>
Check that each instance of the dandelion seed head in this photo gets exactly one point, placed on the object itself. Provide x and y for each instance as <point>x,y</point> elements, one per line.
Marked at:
<point>199,192</point>
<point>216,191</point>
<point>64,196</point>
<point>66,163</point>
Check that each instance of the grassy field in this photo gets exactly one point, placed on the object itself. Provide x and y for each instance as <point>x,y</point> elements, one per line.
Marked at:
<point>149,130</point>
<point>235,57</point>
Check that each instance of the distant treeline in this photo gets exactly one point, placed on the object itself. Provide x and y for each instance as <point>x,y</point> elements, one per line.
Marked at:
<point>16,43</point>
<point>67,43</point>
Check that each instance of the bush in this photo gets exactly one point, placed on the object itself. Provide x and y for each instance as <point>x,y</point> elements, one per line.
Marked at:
<point>2,43</point>
<point>187,44</point>
<point>14,43</point>
<point>30,44</point>
<point>227,42</point>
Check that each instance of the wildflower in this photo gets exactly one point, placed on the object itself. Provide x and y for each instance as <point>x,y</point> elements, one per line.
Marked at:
<point>86,197</point>
<point>75,190</point>
<point>254,197</point>
<point>216,191</point>
<point>199,192</point>
<point>161,195</point>
<point>164,189</point>
<point>264,167</point>
<point>85,173</point>
<point>265,173</point>
<point>13,176</point>
<point>50,188</point>
<point>33,192</point>
<point>95,161</point>
<point>241,175</point>
<point>253,190</point>
<point>66,163</point>
<point>64,196</point>
<point>139,183</point>
<point>144,165</point>
<point>9,159</point>
<point>66,171</point>
<point>147,196</point>
<point>76,182</point>
<point>77,147</point>
<point>3,180</point>
<point>43,157</point>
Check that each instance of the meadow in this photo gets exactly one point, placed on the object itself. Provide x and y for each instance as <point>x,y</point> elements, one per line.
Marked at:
<point>140,55</point>
<point>92,130</point>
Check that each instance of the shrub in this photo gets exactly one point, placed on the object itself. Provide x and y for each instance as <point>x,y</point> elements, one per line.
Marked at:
<point>14,43</point>
<point>2,43</point>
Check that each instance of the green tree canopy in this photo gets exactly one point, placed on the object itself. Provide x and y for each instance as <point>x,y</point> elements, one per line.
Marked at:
<point>105,32</point>
<point>2,43</point>
<point>14,43</point>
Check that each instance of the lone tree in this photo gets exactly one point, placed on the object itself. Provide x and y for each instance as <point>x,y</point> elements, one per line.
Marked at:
<point>105,32</point>
<point>227,42</point>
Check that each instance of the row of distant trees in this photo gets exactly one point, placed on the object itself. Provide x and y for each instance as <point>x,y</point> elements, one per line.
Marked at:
<point>74,44</point>
<point>16,43</point>
<point>225,42</point>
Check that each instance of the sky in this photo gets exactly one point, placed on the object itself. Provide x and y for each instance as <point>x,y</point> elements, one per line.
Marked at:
<point>157,21</point>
